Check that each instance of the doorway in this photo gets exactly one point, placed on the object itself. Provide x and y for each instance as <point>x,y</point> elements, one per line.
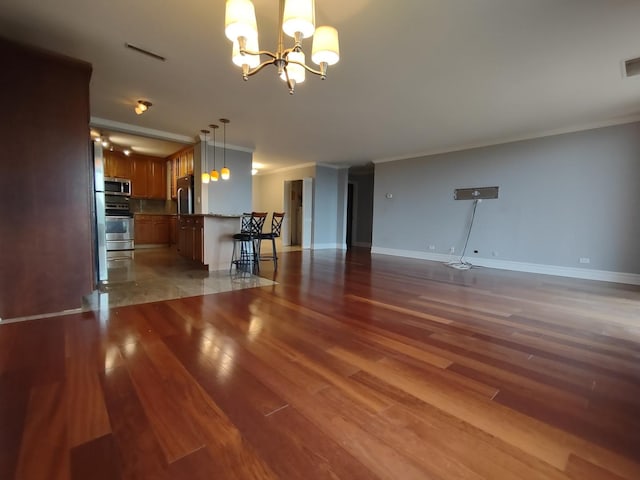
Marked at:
<point>350,208</point>
<point>294,212</point>
<point>298,206</point>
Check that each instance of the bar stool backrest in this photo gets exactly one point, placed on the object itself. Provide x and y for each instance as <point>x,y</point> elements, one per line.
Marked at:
<point>245,223</point>
<point>276,224</point>
<point>257,223</point>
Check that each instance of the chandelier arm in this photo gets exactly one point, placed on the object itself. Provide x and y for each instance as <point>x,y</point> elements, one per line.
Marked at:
<point>259,52</point>
<point>260,67</point>
<point>307,68</point>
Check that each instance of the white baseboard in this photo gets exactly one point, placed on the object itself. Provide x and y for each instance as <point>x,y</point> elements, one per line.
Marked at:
<point>588,274</point>
<point>329,246</point>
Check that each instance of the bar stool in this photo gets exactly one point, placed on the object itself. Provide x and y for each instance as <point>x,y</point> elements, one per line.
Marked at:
<point>276,227</point>
<point>245,253</point>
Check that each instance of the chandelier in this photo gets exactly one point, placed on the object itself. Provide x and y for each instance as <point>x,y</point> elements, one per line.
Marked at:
<point>297,20</point>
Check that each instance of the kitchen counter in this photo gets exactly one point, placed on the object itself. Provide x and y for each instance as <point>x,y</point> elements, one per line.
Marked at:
<point>218,239</point>
<point>208,238</point>
<point>213,215</point>
<point>156,214</point>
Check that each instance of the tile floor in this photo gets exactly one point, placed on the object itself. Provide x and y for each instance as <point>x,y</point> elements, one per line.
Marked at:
<point>156,274</point>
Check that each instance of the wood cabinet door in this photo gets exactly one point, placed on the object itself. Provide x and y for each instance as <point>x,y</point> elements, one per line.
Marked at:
<point>140,178</point>
<point>109,165</point>
<point>157,179</point>
<point>173,230</point>
<point>161,229</point>
<point>122,166</point>
<point>185,237</point>
<point>117,165</point>
<point>143,229</point>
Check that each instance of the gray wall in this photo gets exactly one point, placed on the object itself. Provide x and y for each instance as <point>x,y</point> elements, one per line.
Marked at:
<point>225,196</point>
<point>325,207</point>
<point>329,200</point>
<point>561,198</point>
<point>268,190</point>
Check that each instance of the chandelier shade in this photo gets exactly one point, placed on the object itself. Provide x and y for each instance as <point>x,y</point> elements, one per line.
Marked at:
<point>325,46</point>
<point>242,59</point>
<point>296,69</point>
<point>240,19</point>
<point>297,20</point>
<point>299,16</point>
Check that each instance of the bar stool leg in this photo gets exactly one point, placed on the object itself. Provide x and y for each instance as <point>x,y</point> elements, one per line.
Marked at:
<point>275,254</point>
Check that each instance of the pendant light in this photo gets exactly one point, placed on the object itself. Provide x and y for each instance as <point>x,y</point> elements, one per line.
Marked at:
<point>205,174</point>
<point>224,173</point>
<point>215,176</point>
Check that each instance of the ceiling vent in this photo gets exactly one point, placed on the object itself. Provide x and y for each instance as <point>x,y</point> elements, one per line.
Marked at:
<point>632,67</point>
<point>145,52</point>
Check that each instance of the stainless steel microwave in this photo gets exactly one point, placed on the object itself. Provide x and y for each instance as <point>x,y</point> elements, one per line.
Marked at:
<point>117,186</point>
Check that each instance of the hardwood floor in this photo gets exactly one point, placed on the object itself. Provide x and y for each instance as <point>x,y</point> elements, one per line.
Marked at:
<point>351,367</point>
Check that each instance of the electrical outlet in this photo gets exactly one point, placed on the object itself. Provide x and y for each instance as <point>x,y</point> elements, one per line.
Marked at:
<point>452,249</point>
<point>585,260</point>
<point>432,247</point>
<point>494,254</point>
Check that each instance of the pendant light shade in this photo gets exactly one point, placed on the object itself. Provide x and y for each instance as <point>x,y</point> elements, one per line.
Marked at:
<point>299,16</point>
<point>296,72</point>
<point>252,60</point>
<point>240,20</point>
<point>214,175</point>
<point>326,48</point>
<point>205,175</point>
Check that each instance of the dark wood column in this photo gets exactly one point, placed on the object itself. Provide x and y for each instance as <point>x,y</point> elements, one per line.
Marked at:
<point>46,256</point>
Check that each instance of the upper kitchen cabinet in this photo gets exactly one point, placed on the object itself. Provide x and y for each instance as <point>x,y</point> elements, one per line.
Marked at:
<point>148,175</point>
<point>140,177</point>
<point>181,165</point>
<point>117,165</point>
<point>157,178</point>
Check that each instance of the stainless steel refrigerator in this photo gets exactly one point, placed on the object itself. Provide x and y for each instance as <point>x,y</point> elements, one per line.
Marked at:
<point>100,214</point>
<point>184,193</point>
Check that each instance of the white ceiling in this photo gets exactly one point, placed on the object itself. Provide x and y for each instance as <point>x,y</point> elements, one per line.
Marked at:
<point>415,76</point>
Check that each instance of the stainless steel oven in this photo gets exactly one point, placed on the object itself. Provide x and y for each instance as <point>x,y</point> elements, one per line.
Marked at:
<point>120,232</point>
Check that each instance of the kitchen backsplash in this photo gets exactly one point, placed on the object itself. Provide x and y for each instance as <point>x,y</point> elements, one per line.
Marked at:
<point>143,205</point>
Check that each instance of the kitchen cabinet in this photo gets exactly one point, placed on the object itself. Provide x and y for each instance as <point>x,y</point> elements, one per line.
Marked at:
<point>191,237</point>
<point>140,177</point>
<point>181,165</point>
<point>152,229</point>
<point>157,179</point>
<point>148,175</point>
<point>173,229</point>
<point>117,165</point>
